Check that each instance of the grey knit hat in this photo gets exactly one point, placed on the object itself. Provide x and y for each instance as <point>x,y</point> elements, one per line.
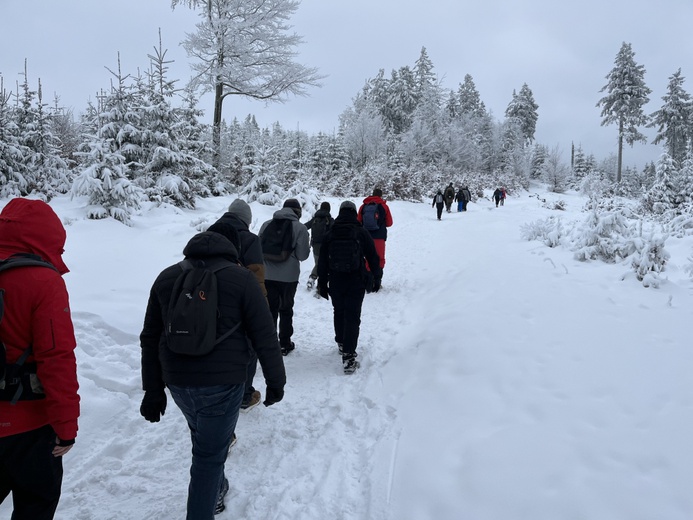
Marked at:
<point>347,204</point>
<point>241,209</point>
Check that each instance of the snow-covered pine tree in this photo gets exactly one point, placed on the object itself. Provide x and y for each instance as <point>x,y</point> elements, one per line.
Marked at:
<point>523,110</point>
<point>626,95</point>
<point>662,196</point>
<point>13,182</point>
<point>673,119</point>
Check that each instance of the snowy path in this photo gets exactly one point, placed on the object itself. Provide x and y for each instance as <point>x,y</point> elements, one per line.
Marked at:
<point>500,379</point>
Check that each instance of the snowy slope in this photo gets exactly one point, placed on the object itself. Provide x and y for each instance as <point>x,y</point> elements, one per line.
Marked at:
<point>500,379</point>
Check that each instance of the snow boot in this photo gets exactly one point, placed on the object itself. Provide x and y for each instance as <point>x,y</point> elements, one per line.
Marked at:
<point>350,364</point>
<point>252,402</point>
<point>222,494</point>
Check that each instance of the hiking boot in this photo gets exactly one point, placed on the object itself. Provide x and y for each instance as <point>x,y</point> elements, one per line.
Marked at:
<point>220,499</point>
<point>340,346</point>
<point>311,282</point>
<point>350,365</point>
<point>288,348</point>
<point>252,401</point>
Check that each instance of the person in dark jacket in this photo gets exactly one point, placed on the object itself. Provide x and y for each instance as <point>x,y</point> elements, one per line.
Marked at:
<point>499,196</point>
<point>318,225</point>
<point>449,197</point>
<point>239,217</point>
<point>347,288</point>
<point>209,388</point>
<point>438,203</point>
<point>463,197</point>
<point>35,434</point>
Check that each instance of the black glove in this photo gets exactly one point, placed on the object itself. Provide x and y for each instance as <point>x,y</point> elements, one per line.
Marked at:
<point>376,284</point>
<point>153,405</point>
<point>273,395</point>
<point>322,291</point>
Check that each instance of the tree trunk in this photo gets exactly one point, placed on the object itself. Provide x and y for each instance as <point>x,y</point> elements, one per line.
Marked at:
<point>620,150</point>
<point>216,126</point>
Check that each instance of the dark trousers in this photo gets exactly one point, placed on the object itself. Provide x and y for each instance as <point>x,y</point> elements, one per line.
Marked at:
<point>347,294</point>
<point>250,370</point>
<point>212,413</point>
<point>439,209</point>
<point>280,296</point>
<point>31,473</point>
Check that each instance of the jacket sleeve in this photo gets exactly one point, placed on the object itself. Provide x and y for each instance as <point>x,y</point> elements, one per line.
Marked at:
<point>371,253</point>
<point>54,352</point>
<point>255,262</point>
<point>262,333</point>
<point>302,248</point>
<point>388,216</point>
<point>150,338</point>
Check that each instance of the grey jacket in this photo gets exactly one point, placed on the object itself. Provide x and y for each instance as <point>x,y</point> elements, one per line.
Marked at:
<point>290,270</point>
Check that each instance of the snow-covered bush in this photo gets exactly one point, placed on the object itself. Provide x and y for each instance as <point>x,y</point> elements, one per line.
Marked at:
<point>649,258</point>
<point>549,231</point>
<point>602,236</point>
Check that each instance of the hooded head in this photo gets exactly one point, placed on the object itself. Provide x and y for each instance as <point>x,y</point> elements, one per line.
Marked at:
<point>294,205</point>
<point>241,209</point>
<point>325,206</point>
<point>227,230</point>
<point>31,226</point>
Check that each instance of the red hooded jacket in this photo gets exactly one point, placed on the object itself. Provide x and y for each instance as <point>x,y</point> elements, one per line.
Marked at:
<point>37,313</point>
<point>382,232</point>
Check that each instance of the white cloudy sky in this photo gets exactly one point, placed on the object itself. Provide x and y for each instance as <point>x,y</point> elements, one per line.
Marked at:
<point>562,50</point>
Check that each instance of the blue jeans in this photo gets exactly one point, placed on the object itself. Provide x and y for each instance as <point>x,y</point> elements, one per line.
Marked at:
<point>212,413</point>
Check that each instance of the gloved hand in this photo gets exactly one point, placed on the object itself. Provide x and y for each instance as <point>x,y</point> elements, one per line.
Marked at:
<point>273,395</point>
<point>376,283</point>
<point>322,291</point>
<point>153,405</point>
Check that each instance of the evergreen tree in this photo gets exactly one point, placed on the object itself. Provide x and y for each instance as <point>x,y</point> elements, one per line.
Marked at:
<point>626,95</point>
<point>469,100</point>
<point>13,182</point>
<point>523,110</point>
<point>662,196</point>
<point>674,120</point>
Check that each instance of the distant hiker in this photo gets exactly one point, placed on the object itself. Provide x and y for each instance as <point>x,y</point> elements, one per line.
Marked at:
<point>319,225</point>
<point>239,217</point>
<point>39,404</point>
<point>462,197</point>
<point>342,276</point>
<point>502,199</point>
<point>438,202</point>
<point>498,196</point>
<point>208,386</point>
<point>285,244</point>
<point>449,195</point>
<point>375,216</point>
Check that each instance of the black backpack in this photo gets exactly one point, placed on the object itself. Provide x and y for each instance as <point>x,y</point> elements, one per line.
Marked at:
<point>277,240</point>
<point>345,253</point>
<point>191,321</point>
<point>370,216</point>
<point>18,380</point>
<point>319,227</point>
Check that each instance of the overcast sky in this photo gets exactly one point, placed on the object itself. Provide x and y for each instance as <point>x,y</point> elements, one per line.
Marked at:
<point>562,50</point>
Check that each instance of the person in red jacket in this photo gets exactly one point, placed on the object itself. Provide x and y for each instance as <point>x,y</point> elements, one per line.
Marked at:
<point>36,433</point>
<point>375,216</point>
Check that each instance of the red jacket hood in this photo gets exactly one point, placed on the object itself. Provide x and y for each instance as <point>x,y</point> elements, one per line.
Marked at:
<point>373,198</point>
<point>31,226</point>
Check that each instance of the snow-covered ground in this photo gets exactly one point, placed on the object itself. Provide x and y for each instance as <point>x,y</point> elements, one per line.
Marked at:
<point>499,380</point>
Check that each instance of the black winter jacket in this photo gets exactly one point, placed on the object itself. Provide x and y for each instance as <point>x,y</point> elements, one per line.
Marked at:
<point>316,237</point>
<point>240,300</point>
<point>347,217</point>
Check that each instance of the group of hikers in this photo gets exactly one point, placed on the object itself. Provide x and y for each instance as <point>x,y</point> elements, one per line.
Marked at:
<point>463,196</point>
<point>210,319</point>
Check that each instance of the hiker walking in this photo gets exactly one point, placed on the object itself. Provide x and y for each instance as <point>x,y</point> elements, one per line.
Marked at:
<point>318,225</point>
<point>449,197</point>
<point>343,277</point>
<point>207,384</point>
<point>38,423</point>
<point>498,196</point>
<point>285,244</point>
<point>438,202</point>
<point>235,225</point>
<point>375,216</point>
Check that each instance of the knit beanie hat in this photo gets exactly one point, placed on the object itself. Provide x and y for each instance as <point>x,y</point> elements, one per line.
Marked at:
<point>293,204</point>
<point>241,209</point>
<point>347,204</point>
